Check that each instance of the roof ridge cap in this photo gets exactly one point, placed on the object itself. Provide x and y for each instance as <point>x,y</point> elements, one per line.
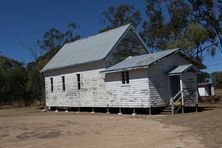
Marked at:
<point>87,37</point>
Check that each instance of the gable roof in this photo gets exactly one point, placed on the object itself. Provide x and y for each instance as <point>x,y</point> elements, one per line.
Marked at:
<point>140,61</point>
<point>90,49</point>
<point>144,60</point>
<point>181,68</point>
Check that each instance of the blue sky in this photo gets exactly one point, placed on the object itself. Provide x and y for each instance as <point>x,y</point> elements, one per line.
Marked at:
<point>27,20</point>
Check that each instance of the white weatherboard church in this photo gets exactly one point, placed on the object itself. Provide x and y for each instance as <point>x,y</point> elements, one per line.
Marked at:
<point>115,69</point>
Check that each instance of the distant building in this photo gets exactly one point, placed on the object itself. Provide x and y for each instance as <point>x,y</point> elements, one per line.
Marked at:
<point>206,89</point>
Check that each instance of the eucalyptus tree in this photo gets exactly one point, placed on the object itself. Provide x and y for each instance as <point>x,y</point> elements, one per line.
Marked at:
<point>194,26</point>
<point>120,15</point>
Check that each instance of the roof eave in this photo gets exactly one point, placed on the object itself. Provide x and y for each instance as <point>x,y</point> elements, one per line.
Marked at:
<point>124,69</point>
<point>197,63</point>
<point>136,67</point>
<point>62,67</point>
<point>191,67</point>
<point>51,69</point>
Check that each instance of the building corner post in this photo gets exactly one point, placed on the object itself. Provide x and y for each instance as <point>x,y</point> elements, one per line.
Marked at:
<point>182,109</point>
<point>78,110</point>
<point>172,105</point>
<point>150,110</point>
<point>66,110</point>
<point>107,109</point>
<point>120,112</point>
<point>134,112</point>
<point>93,111</point>
<point>196,107</point>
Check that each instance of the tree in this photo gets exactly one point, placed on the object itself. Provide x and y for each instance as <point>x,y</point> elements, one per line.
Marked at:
<point>208,14</point>
<point>203,77</point>
<point>217,77</point>
<point>3,88</point>
<point>192,41</point>
<point>174,23</point>
<point>54,39</point>
<point>13,81</point>
<point>51,42</point>
<point>117,16</point>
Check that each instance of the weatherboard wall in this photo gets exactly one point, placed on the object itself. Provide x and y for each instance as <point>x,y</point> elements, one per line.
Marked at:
<point>147,87</point>
<point>159,87</point>
<point>189,84</point>
<point>135,94</point>
<point>91,94</point>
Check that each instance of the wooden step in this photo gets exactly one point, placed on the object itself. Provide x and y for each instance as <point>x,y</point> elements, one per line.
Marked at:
<point>165,113</point>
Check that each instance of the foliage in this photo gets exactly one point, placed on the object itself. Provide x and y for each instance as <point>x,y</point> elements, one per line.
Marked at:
<point>13,81</point>
<point>23,85</point>
<point>217,77</point>
<point>208,14</point>
<point>202,78</point>
<point>54,39</point>
<point>117,16</point>
<point>183,24</point>
<point>51,42</point>
<point>192,25</point>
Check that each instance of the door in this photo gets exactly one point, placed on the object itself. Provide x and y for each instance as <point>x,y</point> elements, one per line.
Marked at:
<point>174,85</point>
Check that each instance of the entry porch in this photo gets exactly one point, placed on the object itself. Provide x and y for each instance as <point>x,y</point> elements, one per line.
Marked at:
<point>183,88</point>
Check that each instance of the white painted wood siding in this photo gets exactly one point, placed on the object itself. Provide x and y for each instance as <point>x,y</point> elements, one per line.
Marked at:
<point>91,94</point>
<point>189,83</point>
<point>147,86</point>
<point>134,94</point>
<point>159,80</point>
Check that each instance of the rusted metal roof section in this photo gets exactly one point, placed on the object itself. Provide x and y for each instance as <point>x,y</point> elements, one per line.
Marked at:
<point>140,61</point>
<point>86,50</point>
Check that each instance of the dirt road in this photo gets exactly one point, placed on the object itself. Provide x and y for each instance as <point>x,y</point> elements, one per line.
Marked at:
<point>30,128</point>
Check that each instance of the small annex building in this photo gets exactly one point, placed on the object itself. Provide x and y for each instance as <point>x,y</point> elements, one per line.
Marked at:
<point>115,69</point>
<point>206,89</point>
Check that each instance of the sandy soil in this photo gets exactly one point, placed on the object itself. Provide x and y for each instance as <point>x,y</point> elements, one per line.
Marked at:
<point>206,123</point>
<point>30,128</point>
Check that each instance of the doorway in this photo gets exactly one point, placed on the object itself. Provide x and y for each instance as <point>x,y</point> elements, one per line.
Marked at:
<point>174,85</point>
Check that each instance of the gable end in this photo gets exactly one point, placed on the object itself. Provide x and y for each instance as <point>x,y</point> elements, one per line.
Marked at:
<point>130,44</point>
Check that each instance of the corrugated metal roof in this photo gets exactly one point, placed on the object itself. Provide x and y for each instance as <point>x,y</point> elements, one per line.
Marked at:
<point>180,69</point>
<point>140,61</point>
<point>85,50</point>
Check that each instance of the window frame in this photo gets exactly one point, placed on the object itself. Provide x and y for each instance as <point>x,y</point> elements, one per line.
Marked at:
<point>125,77</point>
<point>63,83</point>
<point>51,82</point>
<point>78,81</point>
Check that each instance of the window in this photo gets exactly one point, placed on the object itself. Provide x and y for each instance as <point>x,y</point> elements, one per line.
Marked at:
<point>78,81</point>
<point>63,83</point>
<point>125,77</point>
<point>51,79</point>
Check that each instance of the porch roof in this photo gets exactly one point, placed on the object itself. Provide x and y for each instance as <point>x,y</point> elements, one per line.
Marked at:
<point>181,68</point>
